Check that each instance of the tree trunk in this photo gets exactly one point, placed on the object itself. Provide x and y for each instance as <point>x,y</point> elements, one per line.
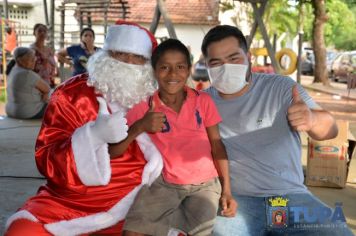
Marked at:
<point>320,71</point>
<point>167,20</point>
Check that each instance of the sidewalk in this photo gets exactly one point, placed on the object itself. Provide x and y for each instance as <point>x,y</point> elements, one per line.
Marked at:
<point>20,178</point>
<point>338,89</point>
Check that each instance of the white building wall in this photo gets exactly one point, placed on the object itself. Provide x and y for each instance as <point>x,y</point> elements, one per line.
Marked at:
<point>35,14</point>
<point>190,35</point>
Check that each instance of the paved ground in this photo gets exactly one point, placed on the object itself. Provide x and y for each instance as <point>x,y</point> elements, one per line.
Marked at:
<point>19,176</point>
<point>20,179</point>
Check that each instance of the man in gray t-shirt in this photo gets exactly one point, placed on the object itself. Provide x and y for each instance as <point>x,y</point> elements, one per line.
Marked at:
<point>264,154</point>
<point>262,115</point>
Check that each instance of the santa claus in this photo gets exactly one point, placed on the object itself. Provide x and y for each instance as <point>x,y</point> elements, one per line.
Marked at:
<point>87,190</point>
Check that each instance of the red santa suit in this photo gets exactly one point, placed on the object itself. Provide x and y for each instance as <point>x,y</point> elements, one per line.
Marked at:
<point>86,191</point>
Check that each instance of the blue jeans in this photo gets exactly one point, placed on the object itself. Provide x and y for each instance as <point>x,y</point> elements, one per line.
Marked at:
<point>304,214</point>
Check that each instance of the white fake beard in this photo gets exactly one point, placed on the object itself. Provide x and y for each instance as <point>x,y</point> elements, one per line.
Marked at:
<point>120,82</point>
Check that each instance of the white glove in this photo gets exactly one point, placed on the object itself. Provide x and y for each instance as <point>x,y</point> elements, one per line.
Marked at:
<point>108,128</point>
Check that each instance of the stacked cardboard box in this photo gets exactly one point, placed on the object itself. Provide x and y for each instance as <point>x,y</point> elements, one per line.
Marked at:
<point>327,164</point>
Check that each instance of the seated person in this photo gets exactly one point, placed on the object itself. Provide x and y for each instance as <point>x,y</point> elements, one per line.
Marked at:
<point>87,191</point>
<point>189,183</point>
<point>27,92</point>
<point>262,115</point>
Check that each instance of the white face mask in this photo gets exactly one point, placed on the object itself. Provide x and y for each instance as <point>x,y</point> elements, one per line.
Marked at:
<point>228,78</point>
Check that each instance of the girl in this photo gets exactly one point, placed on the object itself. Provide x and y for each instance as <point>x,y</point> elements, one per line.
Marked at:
<point>79,53</point>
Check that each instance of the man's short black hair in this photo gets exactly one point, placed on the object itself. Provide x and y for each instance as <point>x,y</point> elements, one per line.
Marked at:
<point>221,32</point>
<point>170,45</point>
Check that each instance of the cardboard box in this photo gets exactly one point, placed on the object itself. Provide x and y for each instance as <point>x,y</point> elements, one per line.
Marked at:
<point>351,177</point>
<point>327,164</point>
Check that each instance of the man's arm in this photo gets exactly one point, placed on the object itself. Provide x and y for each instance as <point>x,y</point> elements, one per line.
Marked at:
<point>324,126</point>
<point>319,124</point>
<point>228,204</point>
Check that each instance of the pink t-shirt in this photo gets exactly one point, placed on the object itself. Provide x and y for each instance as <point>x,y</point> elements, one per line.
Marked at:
<point>185,147</point>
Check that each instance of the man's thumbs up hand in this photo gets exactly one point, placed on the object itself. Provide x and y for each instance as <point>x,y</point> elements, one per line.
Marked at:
<point>295,95</point>
<point>109,128</point>
<point>300,117</point>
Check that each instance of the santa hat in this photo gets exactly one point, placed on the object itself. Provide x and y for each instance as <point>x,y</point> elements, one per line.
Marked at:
<point>131,38</point>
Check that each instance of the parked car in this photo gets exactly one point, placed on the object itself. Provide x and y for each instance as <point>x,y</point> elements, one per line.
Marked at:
<point>308,63</point>
<point>330,58</point>
<point>343,67</point>
<point>200,71</point>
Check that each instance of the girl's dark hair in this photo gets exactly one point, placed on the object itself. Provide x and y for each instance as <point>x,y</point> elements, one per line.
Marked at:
<point>38,25</point>
<point>85,30</point>
<point>221,32</point>
<point>170,45</point>
<point>10,65</point>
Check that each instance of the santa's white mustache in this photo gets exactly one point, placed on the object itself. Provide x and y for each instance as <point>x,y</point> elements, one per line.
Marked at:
<point>120,82</point>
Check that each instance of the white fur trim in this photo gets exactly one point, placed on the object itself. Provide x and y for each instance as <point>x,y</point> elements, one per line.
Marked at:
<point>95,222</point>
<point>23,214</point>
<point>154,165</point>
<point>92,162</point>
<point>120,38</point>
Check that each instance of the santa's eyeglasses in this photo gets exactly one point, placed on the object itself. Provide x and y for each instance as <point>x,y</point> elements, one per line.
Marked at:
<point>128,57</point>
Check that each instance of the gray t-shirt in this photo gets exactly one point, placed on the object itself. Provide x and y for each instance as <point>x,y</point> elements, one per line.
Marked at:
<point>264,152</point>
<point>24,100</point>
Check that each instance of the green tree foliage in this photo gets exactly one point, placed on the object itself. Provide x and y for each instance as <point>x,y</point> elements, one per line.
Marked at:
<point>279,17</point>
<point>282,16</point>
<point>350,3</point>
<point>340,28</point>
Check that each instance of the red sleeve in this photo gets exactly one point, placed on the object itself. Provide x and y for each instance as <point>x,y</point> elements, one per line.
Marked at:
<point>65,113</point>
<point>211,114</point>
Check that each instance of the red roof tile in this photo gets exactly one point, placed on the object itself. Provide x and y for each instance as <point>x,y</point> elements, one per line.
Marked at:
<point>201,12</point>
<point>180,11</point>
